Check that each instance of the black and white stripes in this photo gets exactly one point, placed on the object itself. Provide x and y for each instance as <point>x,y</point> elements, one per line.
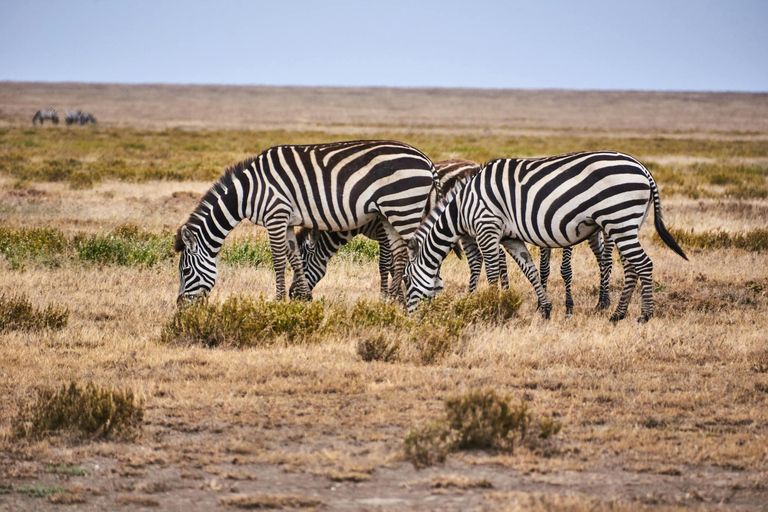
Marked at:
<point>550,202</point>
<point>46,114</point>
<point>338,186</point>
<point>79,117</point>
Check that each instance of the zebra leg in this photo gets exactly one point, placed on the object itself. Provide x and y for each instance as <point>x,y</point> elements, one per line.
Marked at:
<point>399,252</point>
<point>503,269</point>
<point>488,241</point>
<point>633,257</point>
<point>277,229</point>
<point>475,260</point>
<point>567,274</point>
<point>546,254</point>
<point>516,249</point>
<point>299,288</point>
<point>603,254</point>
<point>385,263</point>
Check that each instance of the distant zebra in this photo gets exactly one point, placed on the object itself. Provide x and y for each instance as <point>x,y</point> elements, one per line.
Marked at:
<point>317,248</point>
<point>550,202</point>
<point>80,117</point>
<point>337,186</point>
<point>46,113</point>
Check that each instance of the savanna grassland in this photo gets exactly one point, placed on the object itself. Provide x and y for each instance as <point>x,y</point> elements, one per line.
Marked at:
<point>110,398</point>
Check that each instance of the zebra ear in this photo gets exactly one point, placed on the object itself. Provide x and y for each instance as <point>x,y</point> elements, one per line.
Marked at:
<point>188,238</point>
<point>413,248</point>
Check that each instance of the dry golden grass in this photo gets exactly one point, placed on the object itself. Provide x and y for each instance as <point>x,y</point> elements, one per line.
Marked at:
<point>673,413</point>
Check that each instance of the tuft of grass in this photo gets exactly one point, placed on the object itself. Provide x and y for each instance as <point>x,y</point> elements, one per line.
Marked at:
<point>18,313</point>
<point>244,322</point>
<point>255,253</point>
<point>88,412</point>
<point>20,246</point>
<point>359,250</point>
<point>755,240</point>
<point>40,491</point>
<point>63,469</point>
<point>375,313</point>
<point>476,419</point>
<point>380,347</point>
<point>126,245</point>
<point>268,501</point>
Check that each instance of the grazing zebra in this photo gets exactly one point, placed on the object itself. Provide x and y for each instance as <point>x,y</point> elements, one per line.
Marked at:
<point>80,117</point>
<point>337,186</point>
<point>550,202</point>
<point>317,248</point>
<point>46,113</point>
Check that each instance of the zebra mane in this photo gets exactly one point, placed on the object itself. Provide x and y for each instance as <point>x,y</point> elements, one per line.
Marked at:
<point>210,198</point>
<point>421,234</point>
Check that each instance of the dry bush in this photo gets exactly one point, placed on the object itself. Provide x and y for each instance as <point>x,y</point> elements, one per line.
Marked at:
<point>85,412</point>
<point>379,347</point>
<point>244,322</point>
<point>18,313</point>
<point>268,501</point>
<point>20,246</point>
<point>477,419</point>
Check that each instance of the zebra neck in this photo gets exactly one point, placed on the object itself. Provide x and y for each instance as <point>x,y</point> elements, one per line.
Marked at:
<point>442,237</point>
<point>217,216</point>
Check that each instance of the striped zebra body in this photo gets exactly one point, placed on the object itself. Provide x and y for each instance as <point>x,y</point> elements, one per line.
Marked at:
<point>318,249</point>
<point>43,114</point>
<point>79,117</point>
<point>550,202</point>
<point>338,187</point>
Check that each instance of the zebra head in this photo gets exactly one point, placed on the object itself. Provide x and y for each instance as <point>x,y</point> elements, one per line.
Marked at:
<point>197,268</point>
<point>418,284</point>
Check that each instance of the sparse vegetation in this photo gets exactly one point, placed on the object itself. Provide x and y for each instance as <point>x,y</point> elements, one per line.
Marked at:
<point>18,313</point>
<point>677,403</point>
<point>88,412</point>
<point>754,240</point>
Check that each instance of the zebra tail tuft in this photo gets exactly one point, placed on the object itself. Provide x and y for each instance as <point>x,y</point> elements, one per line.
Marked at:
<point>661,229</point>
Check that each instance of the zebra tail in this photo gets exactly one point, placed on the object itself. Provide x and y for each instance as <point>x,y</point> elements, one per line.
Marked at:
<point>458,250</point>
<point>661,229</point>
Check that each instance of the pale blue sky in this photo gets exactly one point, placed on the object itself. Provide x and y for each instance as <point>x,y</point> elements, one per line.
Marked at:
<point>601,44</point>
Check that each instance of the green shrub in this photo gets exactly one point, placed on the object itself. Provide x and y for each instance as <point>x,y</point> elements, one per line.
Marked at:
<point>244,322</point>
<point>376,313</point>
<point>85,412</point>
<point>18,313</point>
<point>360,250</point>
<point>126,245</point>
<point>254,253</point>
<point>45,245</point>
<point>476,419</point>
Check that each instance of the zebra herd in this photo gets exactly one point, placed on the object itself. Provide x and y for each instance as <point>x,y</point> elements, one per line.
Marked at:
<point>419,211</point>
<point>72,117</point>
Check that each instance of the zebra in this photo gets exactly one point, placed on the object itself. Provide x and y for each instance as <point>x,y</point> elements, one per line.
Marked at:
<point>317,248</point>
<point>550,202</point>
<point>46,113</point>
<point>80,117</point>
<point>336,186</point>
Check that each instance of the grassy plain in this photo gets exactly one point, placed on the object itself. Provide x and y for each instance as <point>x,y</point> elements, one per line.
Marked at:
<point>671,414</point>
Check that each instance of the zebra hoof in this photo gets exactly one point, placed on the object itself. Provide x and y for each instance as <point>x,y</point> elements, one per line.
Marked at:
<point>603,305</point>
<point>546,310</point>
<point>643,319</point>
<point>616,317</point>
